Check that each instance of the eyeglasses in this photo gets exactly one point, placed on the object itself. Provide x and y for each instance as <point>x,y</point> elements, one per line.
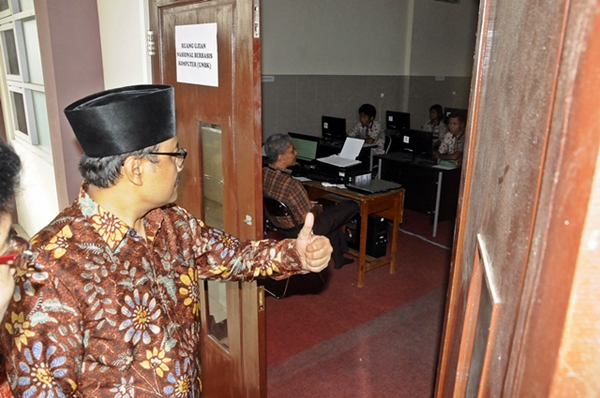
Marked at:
<point>18,254</point>
<point>180,155</point>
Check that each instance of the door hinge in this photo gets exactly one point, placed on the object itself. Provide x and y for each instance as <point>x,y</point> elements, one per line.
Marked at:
<point>151,46</point>
<point>256,24</point>
<point>261,298</point>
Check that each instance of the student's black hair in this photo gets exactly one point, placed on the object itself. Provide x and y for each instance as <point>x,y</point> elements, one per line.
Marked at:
<point>368,110</point>
<point>461,115</point>
<point>440,111</point>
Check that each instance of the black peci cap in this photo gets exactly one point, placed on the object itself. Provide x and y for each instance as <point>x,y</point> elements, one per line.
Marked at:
<point>123,120</point>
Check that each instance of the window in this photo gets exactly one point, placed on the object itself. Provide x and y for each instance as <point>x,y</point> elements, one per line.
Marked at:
<point>4,8</point>
<point>23,73</point>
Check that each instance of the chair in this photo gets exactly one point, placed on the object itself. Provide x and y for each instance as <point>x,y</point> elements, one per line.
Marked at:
<point>275,208</point>
<point>388,143</point>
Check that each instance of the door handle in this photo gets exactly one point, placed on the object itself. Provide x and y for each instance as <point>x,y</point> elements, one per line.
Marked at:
<point>256,17</point>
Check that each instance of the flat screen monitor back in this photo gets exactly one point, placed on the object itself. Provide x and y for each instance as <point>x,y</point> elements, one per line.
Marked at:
<point>333,128</point>
<point>397,120</point>
<point>424,143</point>
<point>306,146</point>
<point>417,142</point>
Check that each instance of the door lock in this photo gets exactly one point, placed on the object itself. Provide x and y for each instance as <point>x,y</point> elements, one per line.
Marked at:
<point>248,219</point>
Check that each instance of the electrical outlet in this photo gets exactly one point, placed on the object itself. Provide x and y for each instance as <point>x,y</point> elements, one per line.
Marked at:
<point>382,95</point>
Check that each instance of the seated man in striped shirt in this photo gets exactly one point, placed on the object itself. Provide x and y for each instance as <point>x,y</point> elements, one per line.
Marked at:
<point>279,184</point>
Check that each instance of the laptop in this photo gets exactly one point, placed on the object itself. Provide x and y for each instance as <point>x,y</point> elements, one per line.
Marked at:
<point>373,186</point>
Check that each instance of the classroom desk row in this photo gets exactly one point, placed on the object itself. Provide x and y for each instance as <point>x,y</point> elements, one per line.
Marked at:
<point>430,188</point>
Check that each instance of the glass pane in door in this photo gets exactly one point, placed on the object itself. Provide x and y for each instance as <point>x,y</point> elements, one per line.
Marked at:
<point>212,186</point>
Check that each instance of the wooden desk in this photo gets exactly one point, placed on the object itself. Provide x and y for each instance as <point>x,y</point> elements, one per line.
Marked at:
<point>388,204</point>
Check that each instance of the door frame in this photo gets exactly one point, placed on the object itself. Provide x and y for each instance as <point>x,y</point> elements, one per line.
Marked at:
<point>548,355</point>
<point>245,361</point>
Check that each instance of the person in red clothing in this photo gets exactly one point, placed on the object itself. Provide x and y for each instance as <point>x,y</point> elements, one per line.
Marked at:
<point>279,184</point>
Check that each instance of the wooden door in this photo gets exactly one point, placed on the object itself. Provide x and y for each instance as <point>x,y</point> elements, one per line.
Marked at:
<point>221,183</point>
<point>520,270</point>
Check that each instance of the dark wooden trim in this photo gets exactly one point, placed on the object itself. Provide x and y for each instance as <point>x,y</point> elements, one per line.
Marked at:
<point>564,211</point>
<point>456,296</point>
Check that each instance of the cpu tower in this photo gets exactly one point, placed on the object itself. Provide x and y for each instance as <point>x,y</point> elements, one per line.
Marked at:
<point>377,234</point>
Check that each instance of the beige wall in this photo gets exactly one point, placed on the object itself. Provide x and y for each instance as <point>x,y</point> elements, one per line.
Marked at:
<point>76,64</point>
<point>443,38</point>
<point>329,57</point>
<point>370,38</point>
<point>336,37</point>
<point>123,27</point>
<point>70,53</point>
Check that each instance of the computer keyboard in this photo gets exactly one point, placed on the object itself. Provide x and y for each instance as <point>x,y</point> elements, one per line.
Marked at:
<point>300,170</point>
<point>405,157</point>
<point>334,143</point>
<point>321,177</point>
<point>426,161</point>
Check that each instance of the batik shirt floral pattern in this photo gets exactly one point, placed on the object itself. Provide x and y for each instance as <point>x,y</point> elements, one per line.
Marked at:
<point>102,312</point>
<point>452,144</point>
<point>438,130</point>
<point>373,130</point>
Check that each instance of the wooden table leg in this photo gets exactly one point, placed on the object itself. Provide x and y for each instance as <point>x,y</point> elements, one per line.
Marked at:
<point>362,252</point>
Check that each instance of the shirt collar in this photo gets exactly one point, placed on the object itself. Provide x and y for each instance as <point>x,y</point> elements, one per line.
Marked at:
<point>110,228</point>
<point>286,170</point>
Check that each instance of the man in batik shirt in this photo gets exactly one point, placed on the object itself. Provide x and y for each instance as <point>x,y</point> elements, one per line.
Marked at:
<point>109,307</point>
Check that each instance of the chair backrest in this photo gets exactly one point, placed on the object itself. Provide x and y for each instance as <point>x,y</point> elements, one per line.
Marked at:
<point>388,143</point>
<point>276,208</point>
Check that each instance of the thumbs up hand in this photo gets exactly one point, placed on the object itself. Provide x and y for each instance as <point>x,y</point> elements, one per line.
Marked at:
<point>314,250</point>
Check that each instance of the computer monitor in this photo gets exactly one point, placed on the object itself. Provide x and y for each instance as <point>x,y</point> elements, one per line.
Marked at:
<point>449,111</point>
<point>417,142</point>
<point>306,147</point>
<point>333,128</point>
<point>397,120</point>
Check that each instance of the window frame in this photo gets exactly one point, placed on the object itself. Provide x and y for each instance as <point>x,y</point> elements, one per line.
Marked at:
<point>20,83</point>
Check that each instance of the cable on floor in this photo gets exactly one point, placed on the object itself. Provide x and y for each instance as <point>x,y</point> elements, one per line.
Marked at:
<point>425,239</point>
